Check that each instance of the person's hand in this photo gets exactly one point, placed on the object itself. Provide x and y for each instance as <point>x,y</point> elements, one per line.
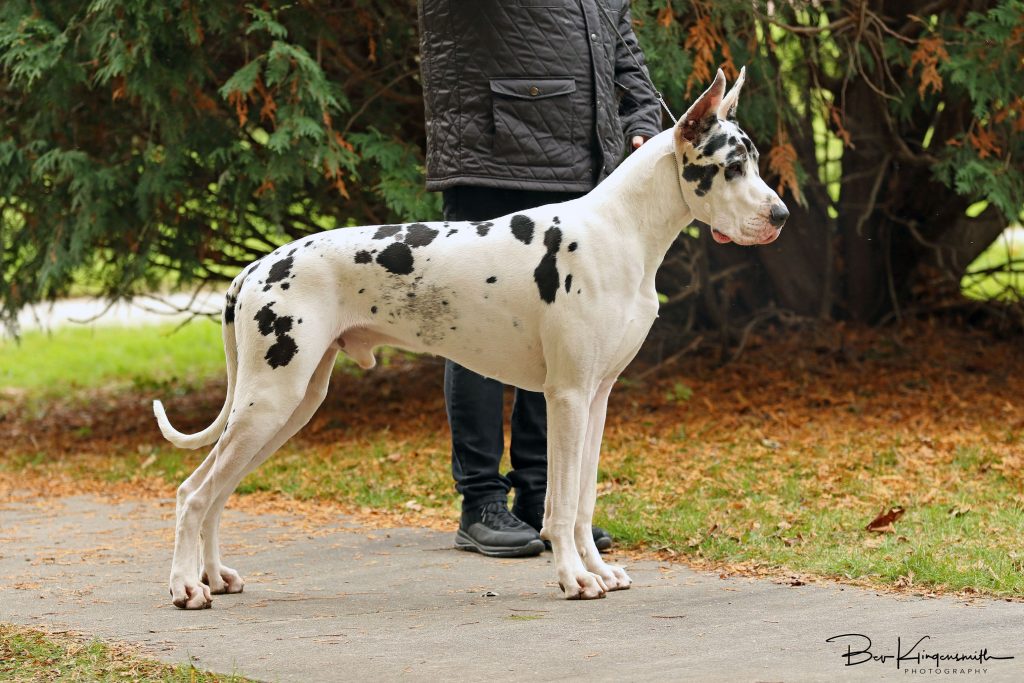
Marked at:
<point>638,140</point>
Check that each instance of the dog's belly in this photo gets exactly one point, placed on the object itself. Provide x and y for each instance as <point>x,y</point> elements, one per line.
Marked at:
<point>516,359</point>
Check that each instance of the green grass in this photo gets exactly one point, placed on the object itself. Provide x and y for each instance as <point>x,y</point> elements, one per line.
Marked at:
<point>28,655</point>
<point>753,510</point>
<point>73,358</point>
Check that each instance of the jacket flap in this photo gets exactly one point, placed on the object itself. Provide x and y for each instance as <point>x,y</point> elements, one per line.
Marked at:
<point>533,88</point>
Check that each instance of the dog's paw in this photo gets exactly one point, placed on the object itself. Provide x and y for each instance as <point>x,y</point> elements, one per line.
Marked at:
<point>227,580</point>
<point>582,585</point>
<point>615,577</point>
<point>190,595</point>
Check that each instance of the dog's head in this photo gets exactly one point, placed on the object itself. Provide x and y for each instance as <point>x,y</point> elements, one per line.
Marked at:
<point>718,171</point>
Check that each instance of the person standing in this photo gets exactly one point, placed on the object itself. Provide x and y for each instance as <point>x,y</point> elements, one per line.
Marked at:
<point>528,102</point>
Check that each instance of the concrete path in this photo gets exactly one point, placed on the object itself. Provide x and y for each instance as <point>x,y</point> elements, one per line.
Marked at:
<point>341,603</point>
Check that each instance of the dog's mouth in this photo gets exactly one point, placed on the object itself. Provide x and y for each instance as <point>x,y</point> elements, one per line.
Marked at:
<point>719,237</point>
<point>770,237</point>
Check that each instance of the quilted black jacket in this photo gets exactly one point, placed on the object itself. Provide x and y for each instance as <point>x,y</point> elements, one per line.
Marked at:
<point>529,94</point>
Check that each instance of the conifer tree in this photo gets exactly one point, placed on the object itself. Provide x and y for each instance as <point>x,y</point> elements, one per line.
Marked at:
<point>148,143</point>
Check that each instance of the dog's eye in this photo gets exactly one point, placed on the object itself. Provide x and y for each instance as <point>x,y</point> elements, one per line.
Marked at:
<point>734,169</point>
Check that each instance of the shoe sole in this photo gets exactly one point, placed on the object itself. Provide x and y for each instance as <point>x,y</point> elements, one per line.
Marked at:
<point>463,541</point>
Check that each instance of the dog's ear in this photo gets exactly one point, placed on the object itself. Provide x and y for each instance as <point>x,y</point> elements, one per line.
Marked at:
<point>699,117</point>
<point>727,109</point>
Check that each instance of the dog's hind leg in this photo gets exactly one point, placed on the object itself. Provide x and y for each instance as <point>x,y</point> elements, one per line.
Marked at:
<point>222,579</point>
<point>615,578</point>
<point>251,429</point>
<point>567,426</point>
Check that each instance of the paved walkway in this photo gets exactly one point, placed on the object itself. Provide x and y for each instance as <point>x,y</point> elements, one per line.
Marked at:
<point>344,603</point>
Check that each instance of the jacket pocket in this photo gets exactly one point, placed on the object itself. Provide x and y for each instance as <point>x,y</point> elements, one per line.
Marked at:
<point>534,121</point>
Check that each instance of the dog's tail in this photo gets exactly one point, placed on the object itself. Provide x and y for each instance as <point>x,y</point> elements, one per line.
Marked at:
<point>213,432</point>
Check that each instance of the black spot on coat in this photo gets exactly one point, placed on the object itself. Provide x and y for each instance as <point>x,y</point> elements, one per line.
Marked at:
<point>396,258</point>
<point>265,319</point>
<point>386,231</point>
<point>282,324</point>
<point>284,347</point>
<point>572,246</point>
<point>714,143</point>
<point>363,256</point>
<point>704,176</point>
<point>420,235</point>
<point>491,280</point>
<point>522,228</point>
<point>568,283</point>
<point>282,351</point>
<point>280,270</point>
<point>482,228</point>
<point>229,309</point>
<point>546,272</point>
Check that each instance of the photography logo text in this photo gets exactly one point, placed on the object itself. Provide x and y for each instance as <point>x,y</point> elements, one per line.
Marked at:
<point>916,657</point>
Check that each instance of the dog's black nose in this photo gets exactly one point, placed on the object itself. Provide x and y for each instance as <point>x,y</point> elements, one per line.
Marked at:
<point>778,215</point>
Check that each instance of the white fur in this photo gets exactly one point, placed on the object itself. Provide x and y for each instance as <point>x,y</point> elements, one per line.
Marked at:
<point>572,348</point>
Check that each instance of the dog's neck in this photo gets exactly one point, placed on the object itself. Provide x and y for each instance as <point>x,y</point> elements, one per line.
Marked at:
<point>643,197</point>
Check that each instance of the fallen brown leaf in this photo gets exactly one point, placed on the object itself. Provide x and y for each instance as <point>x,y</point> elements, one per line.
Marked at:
<point>882,524</point>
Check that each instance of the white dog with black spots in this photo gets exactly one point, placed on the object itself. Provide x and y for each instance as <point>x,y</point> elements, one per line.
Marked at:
<point>555,299</point>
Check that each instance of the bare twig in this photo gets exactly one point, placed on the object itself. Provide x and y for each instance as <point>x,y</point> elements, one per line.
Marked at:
<point>94,318</point>
<point>834,27</point>
<point>873,196</point>
<point>694,343</point>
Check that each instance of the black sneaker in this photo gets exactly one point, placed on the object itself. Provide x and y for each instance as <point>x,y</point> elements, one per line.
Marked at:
<point>492,530</point>
<point>534,516</point>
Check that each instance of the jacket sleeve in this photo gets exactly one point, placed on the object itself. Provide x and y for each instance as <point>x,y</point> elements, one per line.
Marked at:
<point>639,109</point>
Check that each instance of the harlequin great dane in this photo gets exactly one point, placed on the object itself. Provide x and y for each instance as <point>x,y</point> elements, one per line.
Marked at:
<point>557,298</point>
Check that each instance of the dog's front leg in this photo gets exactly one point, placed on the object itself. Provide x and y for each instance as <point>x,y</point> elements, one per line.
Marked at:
<point>615,577</point>
<point>567,426</point>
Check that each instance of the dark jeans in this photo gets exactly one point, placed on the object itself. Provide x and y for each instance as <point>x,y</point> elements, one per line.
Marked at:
<point>475,402</point>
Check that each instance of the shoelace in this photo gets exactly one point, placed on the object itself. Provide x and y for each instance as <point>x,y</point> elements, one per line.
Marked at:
<point>497,516</point>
